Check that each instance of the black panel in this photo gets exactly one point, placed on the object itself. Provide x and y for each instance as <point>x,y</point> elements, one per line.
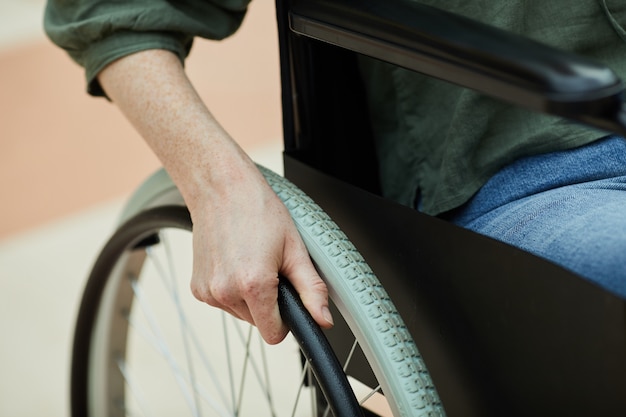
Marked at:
<point>502,332</point>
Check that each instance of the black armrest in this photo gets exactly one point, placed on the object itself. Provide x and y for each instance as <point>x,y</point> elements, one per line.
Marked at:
<point>468,53</point>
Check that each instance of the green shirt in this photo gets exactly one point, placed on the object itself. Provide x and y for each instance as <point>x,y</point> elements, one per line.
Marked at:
<point>97,32</point>
<point>437,143</point>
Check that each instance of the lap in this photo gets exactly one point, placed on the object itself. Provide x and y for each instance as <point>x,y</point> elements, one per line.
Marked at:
<point>580,226</point>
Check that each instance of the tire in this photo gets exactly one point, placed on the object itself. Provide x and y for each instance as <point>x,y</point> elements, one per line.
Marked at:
<point>119,329</point>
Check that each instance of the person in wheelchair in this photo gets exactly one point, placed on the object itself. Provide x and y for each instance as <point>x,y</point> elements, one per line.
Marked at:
<point>548,186</point>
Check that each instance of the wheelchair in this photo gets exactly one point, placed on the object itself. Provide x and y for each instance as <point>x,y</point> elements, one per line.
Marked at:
<point>434,319</point>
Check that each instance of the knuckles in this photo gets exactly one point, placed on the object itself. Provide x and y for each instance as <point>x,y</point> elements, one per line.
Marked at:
<point>231,290</point>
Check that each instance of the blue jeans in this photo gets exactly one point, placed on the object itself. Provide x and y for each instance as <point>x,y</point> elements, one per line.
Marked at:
<point>568,207</point>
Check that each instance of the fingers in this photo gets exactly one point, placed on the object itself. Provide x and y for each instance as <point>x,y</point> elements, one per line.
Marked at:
<point>240,249</point>
<point>253,300</point>
<point>299,269</point>
<point>263,306</point>
<point>203,293</point>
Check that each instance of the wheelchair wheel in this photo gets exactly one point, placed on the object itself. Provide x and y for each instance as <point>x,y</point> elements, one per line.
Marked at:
<point>144,346</point>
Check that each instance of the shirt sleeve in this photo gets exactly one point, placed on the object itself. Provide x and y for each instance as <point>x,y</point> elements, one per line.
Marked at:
<point>96,32</point>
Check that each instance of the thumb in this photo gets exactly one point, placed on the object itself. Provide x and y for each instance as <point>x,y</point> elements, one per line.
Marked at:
<point>311,289</point>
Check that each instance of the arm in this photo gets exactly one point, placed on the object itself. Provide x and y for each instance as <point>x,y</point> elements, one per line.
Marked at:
<point>243,234</point>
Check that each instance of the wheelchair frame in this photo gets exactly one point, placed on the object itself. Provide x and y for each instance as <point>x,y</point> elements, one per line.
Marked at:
<point>501,331</point>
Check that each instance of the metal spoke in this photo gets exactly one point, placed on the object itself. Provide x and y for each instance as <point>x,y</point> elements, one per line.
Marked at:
<point>371,399</point>
<point>248,371</point>
<point>345,368</point>
<point>229,358</point>
<point>350,354</point>
<point>170,273</point>
<point>163,350</point>
<point>368,396</point>
<point>267,376</point>
<point>249,358</point>
<point>159,343</point>
<point>172,291</point>
<point>244,371</point>
<point>156,332</point>
<point>303,375</point>
<point>134,388</point>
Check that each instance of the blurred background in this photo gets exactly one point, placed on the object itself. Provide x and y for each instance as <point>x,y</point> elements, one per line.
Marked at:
<point>67,164</point>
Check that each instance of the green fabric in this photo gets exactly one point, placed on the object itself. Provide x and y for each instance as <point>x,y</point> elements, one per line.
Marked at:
<point>439,143</point>
<point>436,142</point>
<point>97,32</point>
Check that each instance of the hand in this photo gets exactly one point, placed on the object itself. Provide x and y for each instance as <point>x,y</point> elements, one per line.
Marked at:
<point>243,239</point>
<point>243,235</point>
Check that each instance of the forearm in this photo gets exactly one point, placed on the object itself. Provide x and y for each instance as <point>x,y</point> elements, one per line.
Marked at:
<point>153,92</point>
<point>243,235</point>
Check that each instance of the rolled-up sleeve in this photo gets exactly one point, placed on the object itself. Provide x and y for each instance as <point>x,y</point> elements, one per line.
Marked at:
<point>96,32</point>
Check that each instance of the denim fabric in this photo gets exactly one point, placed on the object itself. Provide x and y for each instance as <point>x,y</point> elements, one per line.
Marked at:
<point>568,207</point>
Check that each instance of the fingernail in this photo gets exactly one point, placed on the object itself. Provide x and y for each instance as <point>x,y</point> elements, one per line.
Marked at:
<point>327,316</point>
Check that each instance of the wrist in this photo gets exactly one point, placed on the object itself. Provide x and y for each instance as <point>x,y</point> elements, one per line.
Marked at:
<point>219,180</point>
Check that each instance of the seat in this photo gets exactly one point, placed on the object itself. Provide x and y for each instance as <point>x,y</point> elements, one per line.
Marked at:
<point>502,332</point>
